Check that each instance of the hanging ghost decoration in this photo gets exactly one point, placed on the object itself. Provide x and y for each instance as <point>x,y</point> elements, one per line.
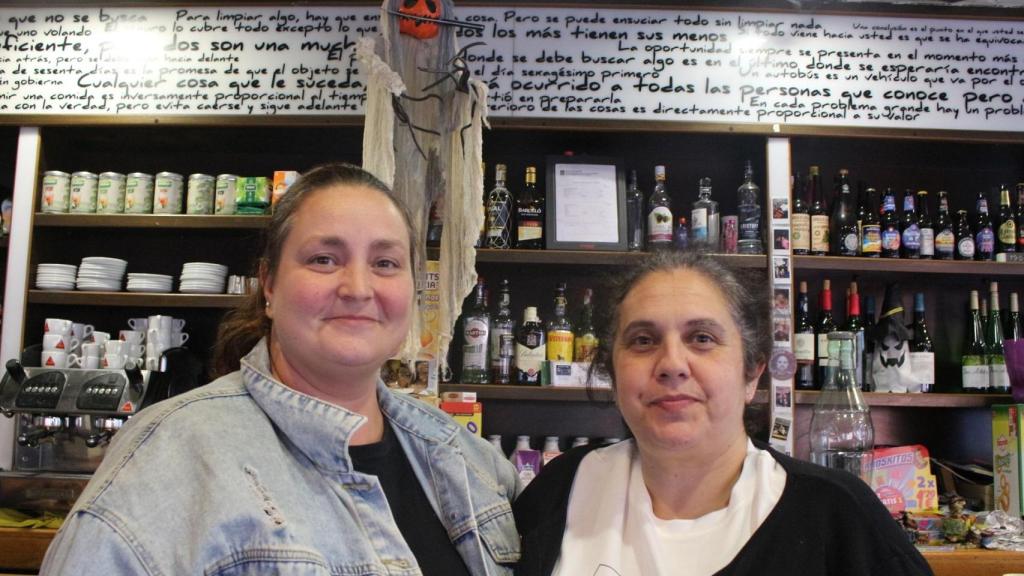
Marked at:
<point>423,136</point>
<point>420,18</point>
<point>890,361</point>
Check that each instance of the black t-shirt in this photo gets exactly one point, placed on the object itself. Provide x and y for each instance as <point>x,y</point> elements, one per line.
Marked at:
<point>410,507</point>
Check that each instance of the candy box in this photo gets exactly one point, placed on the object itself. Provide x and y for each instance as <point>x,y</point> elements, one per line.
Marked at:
<point>1007,463</point>
<point>468,414</point>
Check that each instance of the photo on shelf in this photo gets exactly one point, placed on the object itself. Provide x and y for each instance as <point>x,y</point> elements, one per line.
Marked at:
<point>784,396</point>
<point>780,267</point>
<point>780,238</point>
<point>780,208</point>
<point>780,428</point>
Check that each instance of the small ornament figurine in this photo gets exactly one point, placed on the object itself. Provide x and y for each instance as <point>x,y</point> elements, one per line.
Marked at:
<point>956,524</point>
<point>890,361</point>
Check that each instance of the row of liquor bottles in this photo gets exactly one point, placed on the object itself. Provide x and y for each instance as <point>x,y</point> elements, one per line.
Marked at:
<point>983,351</point>
<point>867,223</point>
<point>497,350</point>
<point>652,222</point>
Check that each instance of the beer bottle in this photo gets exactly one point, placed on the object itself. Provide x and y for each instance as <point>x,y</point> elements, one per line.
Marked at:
<point>910,233</point>
<point>890,228</point>
<point>844,218</point>
<point>945,234</point>
<point>870,228</point>
<point>1007,235</point>
<point>964,237</point>
<point>924,223</point>
<point>984,236</point>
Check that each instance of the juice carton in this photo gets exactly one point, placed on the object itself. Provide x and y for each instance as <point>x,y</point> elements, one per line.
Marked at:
<point>1007,460</point>
<point>468,414</point>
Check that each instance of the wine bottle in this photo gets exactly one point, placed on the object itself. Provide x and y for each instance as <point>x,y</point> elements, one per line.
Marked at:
<point>819,215</point>
<point>922,354</point>
<point>1013,329</point>
<point>974,370</point>
<point>855,325</point>
<point>825,325</point>
<point>803,341</point>
<point>999,379</point>
<point>800,219</point>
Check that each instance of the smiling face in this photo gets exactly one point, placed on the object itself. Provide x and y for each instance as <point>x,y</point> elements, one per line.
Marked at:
<point>678,361</point>
<point>341,296</point>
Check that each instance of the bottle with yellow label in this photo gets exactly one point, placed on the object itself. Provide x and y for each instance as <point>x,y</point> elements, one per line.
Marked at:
<point>560,335</point>
<point>586,337</point>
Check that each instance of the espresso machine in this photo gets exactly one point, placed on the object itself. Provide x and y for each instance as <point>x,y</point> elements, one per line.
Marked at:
<point>67,416</point>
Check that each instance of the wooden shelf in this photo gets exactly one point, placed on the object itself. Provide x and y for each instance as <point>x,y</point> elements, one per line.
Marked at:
<point>844,264</point>
<point>137,299</point>
<point>529,393</point>
<point>156,221</point>
<point>918,400</point>
<point>596,257</point>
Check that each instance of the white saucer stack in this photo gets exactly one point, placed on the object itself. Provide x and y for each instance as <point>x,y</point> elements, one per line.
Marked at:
<point>56,276</point>
<point>101,274</point>
<point>203,278</point>
<point>139,282</point>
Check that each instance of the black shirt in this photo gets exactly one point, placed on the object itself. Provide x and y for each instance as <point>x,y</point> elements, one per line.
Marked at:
<point>415,517</point>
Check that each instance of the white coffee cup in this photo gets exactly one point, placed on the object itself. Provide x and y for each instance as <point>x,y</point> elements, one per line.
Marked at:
<point>140,324</point>
<point>62,342</point>
<point>178,338</point>
<point>92,349</point>
<point>166,323</point>
<point>132,336</point>
<point>113,361</point>
<point>82,331</point>
<point>57,326</point>
<point>124,348</point>
<point>86,362</point>
<point>100,338</point>
<point>53,359</point>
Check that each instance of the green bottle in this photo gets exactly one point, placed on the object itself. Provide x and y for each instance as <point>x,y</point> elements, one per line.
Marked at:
<point>999,379</point>
<point>973,367</point>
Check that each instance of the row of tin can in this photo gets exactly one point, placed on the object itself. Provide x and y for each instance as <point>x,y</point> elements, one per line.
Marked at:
<point>137,193</point>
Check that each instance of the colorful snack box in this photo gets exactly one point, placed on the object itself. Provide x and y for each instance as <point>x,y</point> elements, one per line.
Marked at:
<point>1007,461</point>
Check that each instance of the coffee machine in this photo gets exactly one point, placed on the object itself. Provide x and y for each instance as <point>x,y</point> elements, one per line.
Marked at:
<point>67,416</point>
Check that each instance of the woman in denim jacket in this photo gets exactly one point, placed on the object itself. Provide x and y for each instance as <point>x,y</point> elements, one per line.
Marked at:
<point>298,460</point>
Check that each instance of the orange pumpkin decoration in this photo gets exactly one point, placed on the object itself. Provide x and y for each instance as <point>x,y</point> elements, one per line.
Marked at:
<point>419,28</point>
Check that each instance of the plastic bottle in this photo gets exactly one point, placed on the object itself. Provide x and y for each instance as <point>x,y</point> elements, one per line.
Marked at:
<point>841,434</point>
<point>551,450</point>
<point>525,459</point>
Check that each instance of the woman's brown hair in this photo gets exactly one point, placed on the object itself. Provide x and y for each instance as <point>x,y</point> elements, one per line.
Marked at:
<point>245,325</point>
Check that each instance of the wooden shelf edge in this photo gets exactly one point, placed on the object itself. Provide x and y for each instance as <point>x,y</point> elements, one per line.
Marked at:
<point>844,264</point>
<point>170,300</point>
<point>595,257</point>
<point>156,221</point>
<point>930,400</point>
<point>529,393</point>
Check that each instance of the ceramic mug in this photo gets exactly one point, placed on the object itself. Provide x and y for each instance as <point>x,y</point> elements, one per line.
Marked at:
<point>63,342</point>
<point>85,362</point>
<point>82,331</point>
<point>113,361</point>
<point>132,336</point>
<point>140,324</point>
<point>100,338</point>
<point>123,348</point>
<point>57,326</point>
<point>53,359</point>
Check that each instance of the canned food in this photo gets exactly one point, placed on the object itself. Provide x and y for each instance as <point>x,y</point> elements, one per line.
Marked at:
<point>110,193</point>
<point>224,202</point>
<point>200,194</point>
<point>167,193</point>
<point>56,191</point>
<point>138,193</point>
<point>83,192</point>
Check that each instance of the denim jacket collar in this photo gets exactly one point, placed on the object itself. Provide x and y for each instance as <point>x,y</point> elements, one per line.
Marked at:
<point>322,430</point>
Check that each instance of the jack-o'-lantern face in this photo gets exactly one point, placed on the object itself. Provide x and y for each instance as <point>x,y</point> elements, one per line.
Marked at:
<point>419,28</point>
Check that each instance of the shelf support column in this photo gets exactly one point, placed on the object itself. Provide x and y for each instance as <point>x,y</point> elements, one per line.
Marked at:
<point>782,364</point>
<point>25,176</point>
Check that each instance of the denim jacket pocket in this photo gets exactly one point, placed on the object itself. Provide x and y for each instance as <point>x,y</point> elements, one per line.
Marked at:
<point>282,562</point>
<point>498,533</point>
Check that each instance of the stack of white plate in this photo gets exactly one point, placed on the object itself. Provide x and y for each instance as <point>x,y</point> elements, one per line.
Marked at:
<point>203,278</point>
<point>139,282</point>
<point>98,273</point>
<point>56,276</point>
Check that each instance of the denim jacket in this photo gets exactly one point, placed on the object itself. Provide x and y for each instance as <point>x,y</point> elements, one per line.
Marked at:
<point>247,476</point>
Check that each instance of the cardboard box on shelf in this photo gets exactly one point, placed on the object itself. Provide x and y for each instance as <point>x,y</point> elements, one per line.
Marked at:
<point>468,414</point>
<point>1007,458</point>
